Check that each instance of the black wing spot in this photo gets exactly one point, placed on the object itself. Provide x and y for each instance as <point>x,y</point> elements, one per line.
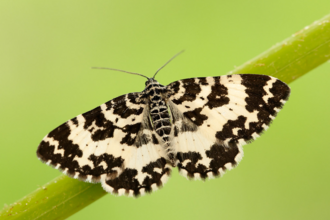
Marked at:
<point>199,118</point>
<point>154,139</point>
<point>218,96</point>
<point>192,89</point>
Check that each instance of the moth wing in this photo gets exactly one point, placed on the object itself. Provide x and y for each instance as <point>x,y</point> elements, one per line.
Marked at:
<point>213,117</point>
<point>113,144</point>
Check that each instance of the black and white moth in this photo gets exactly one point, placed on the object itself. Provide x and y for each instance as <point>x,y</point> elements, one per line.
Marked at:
<point>130,143</point>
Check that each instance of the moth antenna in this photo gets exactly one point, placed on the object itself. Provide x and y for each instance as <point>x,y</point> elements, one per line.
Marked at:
<point>168,62</point>
<point>106,68</point>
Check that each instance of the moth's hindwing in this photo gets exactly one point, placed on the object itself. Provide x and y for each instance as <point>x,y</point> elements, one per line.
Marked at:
<point>113,144</point>
<point>213,117</point>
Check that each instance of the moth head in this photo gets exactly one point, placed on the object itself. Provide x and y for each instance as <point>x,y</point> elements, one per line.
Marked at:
<point>151,81</point>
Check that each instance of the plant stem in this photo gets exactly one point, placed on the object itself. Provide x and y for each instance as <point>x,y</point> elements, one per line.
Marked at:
<point>288,60</point>
<point>58,199</point>
<point>295,56</point>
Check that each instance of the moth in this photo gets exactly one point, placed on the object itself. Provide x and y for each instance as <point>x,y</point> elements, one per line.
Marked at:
<point>130,143</point>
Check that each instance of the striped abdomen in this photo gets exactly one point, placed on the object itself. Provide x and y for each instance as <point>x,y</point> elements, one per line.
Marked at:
<point>159,114</point>
<point>161,119</point>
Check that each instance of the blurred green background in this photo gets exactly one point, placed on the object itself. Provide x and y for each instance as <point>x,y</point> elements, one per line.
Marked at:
<point>47,49</point>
